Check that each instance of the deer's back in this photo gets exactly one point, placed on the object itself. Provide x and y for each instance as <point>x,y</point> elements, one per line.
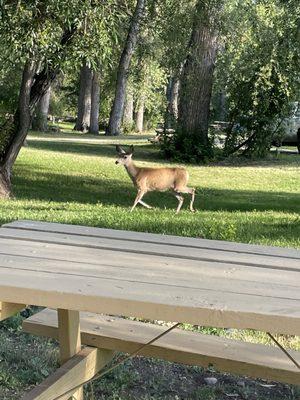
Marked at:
<point>161,178</point>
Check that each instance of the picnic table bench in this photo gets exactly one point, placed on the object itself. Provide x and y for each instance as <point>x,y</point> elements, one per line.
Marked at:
<point>88,277</point>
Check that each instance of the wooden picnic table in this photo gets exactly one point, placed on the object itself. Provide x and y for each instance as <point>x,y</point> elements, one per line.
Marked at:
<point>158,277</point>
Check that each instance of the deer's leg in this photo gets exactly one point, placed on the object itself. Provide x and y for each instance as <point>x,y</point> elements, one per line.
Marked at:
<point>138,198</point>
<point>180,201</point>
<point>190,191</point>
<point>144,204</point>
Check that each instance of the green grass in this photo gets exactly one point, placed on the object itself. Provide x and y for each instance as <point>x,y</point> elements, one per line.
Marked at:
<point>73,179</point>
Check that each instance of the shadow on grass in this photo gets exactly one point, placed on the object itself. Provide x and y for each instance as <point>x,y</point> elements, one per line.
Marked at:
<point>59,187</point>
<point>288,159</point>
<point>145,152</point>
<point>75,135</point>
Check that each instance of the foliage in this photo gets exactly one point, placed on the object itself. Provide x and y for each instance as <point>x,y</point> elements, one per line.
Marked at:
<point>32,30</point>
<point>148,85</point>
<point>35,29</point>
<point>258,70</point>
<point>9,89</point>
<point>64,93</point>
<point>161,50</point>
<point>173,29</point>
<point>185,148</point>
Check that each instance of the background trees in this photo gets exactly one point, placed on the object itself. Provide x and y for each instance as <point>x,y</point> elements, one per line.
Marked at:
<point>84,99</point>
<point>43,36</point>
<point>255,83</point>
<point>135,65</point>
<point>117,110</point>
<point>192,140</point>
<point>260,76</point>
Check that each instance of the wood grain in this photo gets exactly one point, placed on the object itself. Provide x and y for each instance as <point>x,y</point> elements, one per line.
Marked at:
<point>178,346</point>
<point>152,238</point>
<point>177,279</point>
<point>153,301</point>
<point>15,253</point>
<point>69,340</point>
<point>9,309</point>
<point>76,371</point>
<point>155,249</point>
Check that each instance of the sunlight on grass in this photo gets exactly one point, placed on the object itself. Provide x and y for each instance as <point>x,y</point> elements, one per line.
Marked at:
<point>77,182</point>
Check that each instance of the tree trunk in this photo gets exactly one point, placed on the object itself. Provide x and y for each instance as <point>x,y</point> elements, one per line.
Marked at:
<point>95,103</point>
<point>128,110</point>
<point>14,131</point>
<point>40,121</point>
<point>222,114</point>
<point>139,118</point>
<point>116,115</point>
<point>5,184</point>
<point>172,99</point>
<point>84,99</point>
<point>197,80</point>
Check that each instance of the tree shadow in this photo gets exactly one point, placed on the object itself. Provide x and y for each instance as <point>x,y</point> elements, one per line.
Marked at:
<point>147,151</point>
<point>64,188</point>
<point>272,160</point>
<point>144,152</point>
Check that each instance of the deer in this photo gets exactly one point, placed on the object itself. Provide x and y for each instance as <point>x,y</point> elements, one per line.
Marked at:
<point>155,179</point>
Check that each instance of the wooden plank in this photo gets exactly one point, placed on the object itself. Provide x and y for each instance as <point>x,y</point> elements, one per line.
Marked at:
<point>120,297</point>
<point>91,258</point>
<point>182,279</point>
<point>186,347</point>
<point>149,249</point>
<point>69,340</point>
<point>76,371</point>
<point>9,309</point>
<point>188,276</point>
<point>69,334</point>
<point>158,249</point>
<point>152,238</point>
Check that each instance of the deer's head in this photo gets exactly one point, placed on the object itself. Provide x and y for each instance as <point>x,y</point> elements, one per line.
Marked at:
<point>124,157</point>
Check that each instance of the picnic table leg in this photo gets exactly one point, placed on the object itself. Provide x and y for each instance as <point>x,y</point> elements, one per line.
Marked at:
<point>69,339</point>
<point>9,309</point>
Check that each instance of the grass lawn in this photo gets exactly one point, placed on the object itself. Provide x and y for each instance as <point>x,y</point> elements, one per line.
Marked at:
<point>73,179</point>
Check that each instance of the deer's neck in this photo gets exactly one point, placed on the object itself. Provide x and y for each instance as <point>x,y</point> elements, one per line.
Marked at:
<point>132,171</point>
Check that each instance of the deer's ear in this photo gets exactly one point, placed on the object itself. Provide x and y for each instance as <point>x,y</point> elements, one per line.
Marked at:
<point>120,150</point>
<point>131,149</point>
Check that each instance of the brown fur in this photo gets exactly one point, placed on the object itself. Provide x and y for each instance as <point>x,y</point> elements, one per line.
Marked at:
<point>156,179</point>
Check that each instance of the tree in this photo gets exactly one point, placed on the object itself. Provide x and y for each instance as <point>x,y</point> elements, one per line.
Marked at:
<point>197,82</point>
<point>128,110</point>
<point>115,121</point>
<point>172,102</point>
<point>173,32</point>
<point>261,75</point>
<point>40,120</point>
<point>139,115</point>
<point>95,103</point>
<point>14,131</point>
<point>84,99</point>
<point>42,36</point>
